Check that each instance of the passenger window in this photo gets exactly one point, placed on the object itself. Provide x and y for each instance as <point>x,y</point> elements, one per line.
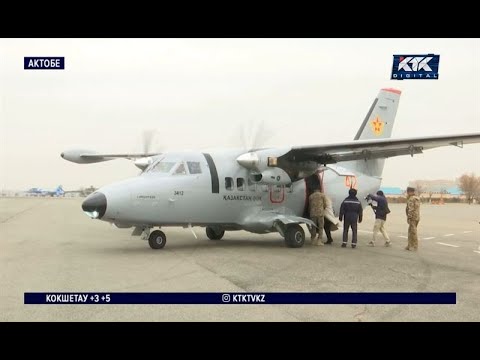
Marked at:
<point>277,188</point>
<point>229,183</point>
<point>240,184</point>
<point>251,185</point>
<point>289,188</point>
<point>194,167</point>
<point>180,170</point>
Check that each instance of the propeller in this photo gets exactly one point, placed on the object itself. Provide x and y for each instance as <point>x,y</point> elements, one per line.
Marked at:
<point>148,138</point>
<point>253,135</point>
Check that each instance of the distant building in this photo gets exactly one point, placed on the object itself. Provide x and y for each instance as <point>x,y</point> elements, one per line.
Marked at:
<point>433,186</point>
<point>431,191</point>
<point>88,191</point>
<point>394,194</point>
<point>454,191</point>
<point>392,191</point>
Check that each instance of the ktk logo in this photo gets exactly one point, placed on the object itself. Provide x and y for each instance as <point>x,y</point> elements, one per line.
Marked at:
<point>418,63</point>
<point>415,67</point>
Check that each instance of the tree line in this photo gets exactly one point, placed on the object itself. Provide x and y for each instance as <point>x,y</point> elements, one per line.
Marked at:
<point>470,185</point>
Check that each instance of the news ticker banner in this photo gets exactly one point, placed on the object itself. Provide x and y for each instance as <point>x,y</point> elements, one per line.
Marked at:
<point>118,298</point>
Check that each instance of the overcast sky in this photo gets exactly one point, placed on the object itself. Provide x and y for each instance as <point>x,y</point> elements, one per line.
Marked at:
<point>200,92</point>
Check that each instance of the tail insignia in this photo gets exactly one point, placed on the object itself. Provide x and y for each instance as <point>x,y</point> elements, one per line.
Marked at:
<point>377,125</point>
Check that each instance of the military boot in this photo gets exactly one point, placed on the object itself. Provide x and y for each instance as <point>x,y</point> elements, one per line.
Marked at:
<point>319,241</point>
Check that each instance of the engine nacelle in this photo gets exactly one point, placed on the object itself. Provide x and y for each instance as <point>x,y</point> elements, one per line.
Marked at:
<point>267,164</point>
<point>143,163</point>
<point>75,156</point>
<point>273,176</point>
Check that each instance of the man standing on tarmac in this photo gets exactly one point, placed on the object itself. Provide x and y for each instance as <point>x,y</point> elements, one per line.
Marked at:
<point>381,211</point>
<point>413,218</point>
<point>317,204</point>
<point>351,209</point>
<point>330,221</point>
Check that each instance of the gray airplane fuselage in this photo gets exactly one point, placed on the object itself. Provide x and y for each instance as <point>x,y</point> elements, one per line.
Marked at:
<point>217,193</point>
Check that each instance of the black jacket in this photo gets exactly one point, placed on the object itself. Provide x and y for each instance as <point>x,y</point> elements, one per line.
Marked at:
<point>381,210</point>
<point>351,209</point>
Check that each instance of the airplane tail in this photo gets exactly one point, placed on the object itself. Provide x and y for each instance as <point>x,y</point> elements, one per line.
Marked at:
<point>378,124</point>
<point>59,190</point>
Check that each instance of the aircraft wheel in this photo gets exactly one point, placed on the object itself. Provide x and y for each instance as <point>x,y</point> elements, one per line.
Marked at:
<point>294,236</point>
<point>214,235</point>
<point>157,240</point>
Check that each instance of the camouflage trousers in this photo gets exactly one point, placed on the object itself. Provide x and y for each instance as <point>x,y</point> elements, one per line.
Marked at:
<point>412,234</point>
<point>319,222</point>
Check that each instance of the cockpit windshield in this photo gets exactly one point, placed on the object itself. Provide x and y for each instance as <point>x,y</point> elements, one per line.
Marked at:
<point>180,170</point>
<point>175,167</point>
<point>161,166</point>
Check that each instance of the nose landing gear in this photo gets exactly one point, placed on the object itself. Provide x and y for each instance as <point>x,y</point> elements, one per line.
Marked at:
<point>214,233</point>
<point>157,239</point>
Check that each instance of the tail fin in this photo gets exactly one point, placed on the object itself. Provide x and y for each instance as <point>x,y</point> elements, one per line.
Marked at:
<point>378,124</point>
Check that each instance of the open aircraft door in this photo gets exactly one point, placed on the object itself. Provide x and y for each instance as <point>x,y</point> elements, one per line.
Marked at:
<point>350,180</point>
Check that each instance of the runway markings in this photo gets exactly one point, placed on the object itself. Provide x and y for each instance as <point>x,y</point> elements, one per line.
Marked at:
<point>440,243</point>
<point>430,238</point>
<point>365,231</point>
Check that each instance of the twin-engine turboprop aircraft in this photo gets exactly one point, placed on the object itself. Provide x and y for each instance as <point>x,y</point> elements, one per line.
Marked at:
<point>257,190</point>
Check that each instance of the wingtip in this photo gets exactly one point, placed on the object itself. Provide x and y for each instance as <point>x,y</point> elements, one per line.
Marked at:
<point>395,91</point>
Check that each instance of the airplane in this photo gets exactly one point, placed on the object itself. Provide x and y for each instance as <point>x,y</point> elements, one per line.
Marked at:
<point>260,190</point>
<point>42,192</point>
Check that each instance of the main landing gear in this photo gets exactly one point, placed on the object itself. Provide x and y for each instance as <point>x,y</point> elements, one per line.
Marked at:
<point>294,236</point>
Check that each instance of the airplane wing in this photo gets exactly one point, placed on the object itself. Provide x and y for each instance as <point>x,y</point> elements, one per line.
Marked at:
<point>375,149</point>
<point>80,156</point>
<point>100,157</point>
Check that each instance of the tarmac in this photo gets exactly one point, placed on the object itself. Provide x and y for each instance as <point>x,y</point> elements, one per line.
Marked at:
<point>48,244</point>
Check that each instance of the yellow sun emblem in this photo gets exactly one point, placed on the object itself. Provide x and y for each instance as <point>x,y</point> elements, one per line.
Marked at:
<point>377,125</point>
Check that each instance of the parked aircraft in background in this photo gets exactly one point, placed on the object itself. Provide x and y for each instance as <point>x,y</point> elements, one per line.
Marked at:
<point>42,192</point>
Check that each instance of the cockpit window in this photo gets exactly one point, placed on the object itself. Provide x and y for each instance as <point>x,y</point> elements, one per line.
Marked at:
<point>194,167</point>
<point>162,167</point>
<point>180,170</point>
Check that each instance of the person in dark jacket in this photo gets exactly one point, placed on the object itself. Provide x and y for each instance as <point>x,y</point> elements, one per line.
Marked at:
<point>381,211</point>
<point>327,224</point>
<point>351,210</point>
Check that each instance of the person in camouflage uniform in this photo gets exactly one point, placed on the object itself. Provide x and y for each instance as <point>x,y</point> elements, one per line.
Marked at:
<point>413,217</point>
<point>317,202</point>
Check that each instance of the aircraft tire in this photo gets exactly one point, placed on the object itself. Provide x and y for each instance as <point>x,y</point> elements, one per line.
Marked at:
<point>294,236</point>
<point>213,235</point>
<point>157,240</point>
